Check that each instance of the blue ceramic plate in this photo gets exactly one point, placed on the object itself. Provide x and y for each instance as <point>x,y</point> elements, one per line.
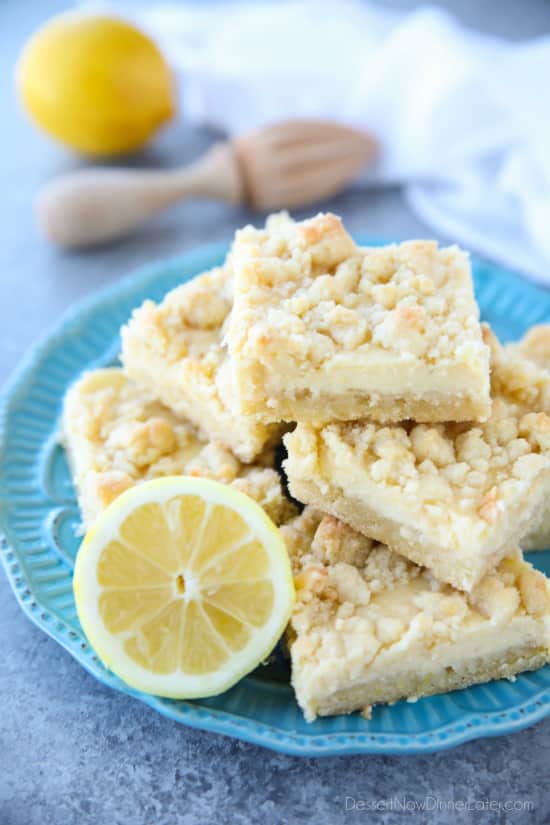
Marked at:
<point>38,515</point>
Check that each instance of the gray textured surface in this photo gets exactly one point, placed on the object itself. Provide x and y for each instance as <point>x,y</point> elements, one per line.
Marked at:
<point>73,752</point>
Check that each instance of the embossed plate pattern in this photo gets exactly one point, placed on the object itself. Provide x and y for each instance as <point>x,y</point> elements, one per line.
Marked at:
<point>38,517</point>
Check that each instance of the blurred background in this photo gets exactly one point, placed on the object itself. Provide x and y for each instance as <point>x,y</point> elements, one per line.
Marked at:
<point>447,105</point>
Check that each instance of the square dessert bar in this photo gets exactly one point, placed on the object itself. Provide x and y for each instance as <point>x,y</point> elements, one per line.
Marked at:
<point>322,329</point>
<point>174,351</point>
<point>116,437</point>
<point>369,626</point>
<point>451,497</point>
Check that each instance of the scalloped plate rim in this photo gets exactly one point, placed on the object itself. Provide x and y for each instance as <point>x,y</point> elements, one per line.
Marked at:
<point>472,725</point>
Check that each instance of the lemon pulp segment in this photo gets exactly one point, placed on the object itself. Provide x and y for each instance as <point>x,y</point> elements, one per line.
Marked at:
<point>182,586</point>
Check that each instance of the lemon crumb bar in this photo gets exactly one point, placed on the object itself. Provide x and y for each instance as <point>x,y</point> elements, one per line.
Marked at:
<point>370,626</point>
<point>116,437</point>
<point>174,351</point>
<point>322,329</point>
<point>527,367</point>
<point>452,497</point>
<point>518,375</point>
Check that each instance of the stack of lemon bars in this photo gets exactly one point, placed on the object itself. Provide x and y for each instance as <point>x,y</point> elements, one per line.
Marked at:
<point>419,445</point>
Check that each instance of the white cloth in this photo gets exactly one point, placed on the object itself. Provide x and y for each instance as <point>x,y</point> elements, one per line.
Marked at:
<point>463,118</point>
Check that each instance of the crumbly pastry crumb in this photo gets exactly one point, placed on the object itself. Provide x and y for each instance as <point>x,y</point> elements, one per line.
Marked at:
<point>453,497</point>
<point>516,375</point>
<point>264,486</point>
<point>370,626</point>
<point>322,328</point>
<point>174,351</point>
<point>526,366</point>
<point>535,345</point>
<point>116,437</point>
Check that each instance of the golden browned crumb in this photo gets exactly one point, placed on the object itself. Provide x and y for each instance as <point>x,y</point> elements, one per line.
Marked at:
<point>524,368</point>
<point>521,379</point>
<point>535,345</point>
<point>116,437</point>
<point>264,486</point>
<point>174,352</point>
<point>321,327</point>
<point>371,626</point>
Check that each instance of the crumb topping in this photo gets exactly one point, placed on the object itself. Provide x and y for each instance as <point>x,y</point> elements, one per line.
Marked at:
<point>264,486</point>
<point>444,463</point>
<point>308,285</point>
<point>525,366</point>
<point>188,322</point>
<point>175,350</point>
<point>442,468</point>
<point>516,376</point>
<point>535,345</point>
<point>131,433</point>
<point>357,596</point>
<point>116,437</point>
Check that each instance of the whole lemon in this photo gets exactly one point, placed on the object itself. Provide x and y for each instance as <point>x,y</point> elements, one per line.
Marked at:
<point>95,83</point>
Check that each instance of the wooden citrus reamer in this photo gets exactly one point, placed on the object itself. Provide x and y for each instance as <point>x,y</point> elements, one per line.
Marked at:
<point>287,165</point>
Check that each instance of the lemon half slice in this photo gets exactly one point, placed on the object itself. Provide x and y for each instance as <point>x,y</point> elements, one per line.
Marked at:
<point>183,586</point>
